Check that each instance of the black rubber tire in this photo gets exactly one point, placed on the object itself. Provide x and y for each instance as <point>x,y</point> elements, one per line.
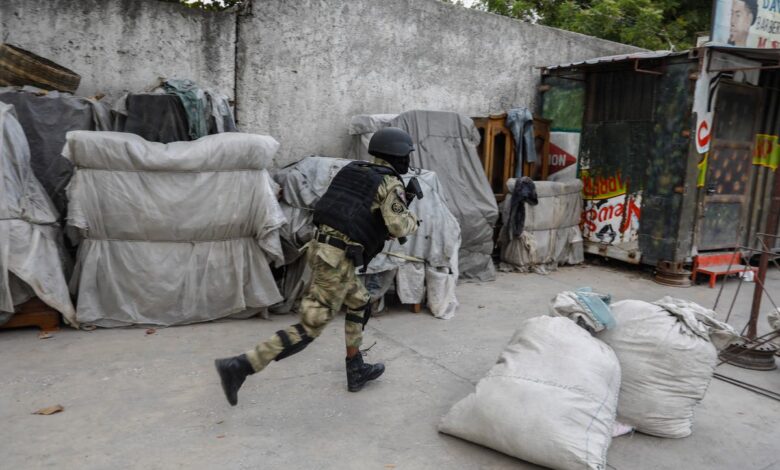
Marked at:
<point>19,67</point>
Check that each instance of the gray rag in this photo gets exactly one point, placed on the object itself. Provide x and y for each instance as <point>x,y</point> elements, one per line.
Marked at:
<point>193,99</point>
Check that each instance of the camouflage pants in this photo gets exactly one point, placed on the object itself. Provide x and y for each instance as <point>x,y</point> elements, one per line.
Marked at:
<point>333,285</point>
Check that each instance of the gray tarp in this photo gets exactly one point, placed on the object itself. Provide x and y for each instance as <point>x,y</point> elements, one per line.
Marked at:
<point>446,143</point>
<point>436,242</point>
<point>362,127</point>
<point>31,259</point>
<point>173,233</point>
<point>46,117</point>
<point>174,110</point>
<point>551,235</point>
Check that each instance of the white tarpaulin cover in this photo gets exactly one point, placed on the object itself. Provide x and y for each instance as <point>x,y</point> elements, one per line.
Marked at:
<point>551,234</point>
<point>446,143</point>
<point>31,260</point>
<point>426,262</point>
<point>172,233</point>
<point>668,352</point>
<point>550,399</point>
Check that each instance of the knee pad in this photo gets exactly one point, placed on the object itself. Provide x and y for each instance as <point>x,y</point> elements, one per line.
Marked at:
<point>289,347</point>
<point>366,315</point>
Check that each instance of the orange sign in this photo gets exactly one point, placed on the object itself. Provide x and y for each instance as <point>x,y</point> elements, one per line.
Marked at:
<point>600,187</point>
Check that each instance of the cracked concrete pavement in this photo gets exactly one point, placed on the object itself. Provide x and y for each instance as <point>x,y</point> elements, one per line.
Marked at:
<point>134,400</point>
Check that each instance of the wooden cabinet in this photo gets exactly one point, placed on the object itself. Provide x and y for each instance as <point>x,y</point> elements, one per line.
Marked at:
<point>541,169</point>
<point>497,151</point>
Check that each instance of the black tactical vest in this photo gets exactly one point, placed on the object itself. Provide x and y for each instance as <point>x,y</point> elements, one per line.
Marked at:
<point>346,205</point>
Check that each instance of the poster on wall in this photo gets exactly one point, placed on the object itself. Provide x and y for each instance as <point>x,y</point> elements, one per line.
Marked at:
<point>747,23</point>
<point>564,148</point>
<point>611,215</point>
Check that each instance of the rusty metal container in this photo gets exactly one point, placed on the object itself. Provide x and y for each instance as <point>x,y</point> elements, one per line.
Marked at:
<point>630,124</point>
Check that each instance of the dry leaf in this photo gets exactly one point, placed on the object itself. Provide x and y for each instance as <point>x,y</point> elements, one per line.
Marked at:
<point>49,410</point>
<point>44,335</point>
<point>221,436</point>
<point>151,331</point>
<point>221,421</point>
<point>389,466</point>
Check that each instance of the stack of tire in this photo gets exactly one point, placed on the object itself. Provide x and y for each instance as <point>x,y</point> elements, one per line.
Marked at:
<point>19,67</point>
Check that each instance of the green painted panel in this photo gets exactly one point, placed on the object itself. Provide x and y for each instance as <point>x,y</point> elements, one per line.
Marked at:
<point>564,104</point>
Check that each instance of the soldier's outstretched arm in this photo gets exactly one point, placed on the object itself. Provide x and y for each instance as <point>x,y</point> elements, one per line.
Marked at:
<point>399,220</point>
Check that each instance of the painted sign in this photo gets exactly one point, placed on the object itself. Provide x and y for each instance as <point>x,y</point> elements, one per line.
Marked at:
<point>767,151</point>
<point>703,106</point>
<point>747,23</point>
<point>564,147</point>
<point>611,216</point>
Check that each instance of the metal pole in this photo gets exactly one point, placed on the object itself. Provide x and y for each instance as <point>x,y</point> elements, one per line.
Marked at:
<point>771,227</point>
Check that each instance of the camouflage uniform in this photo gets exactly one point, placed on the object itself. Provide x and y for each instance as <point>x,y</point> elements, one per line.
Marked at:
<point>334,283</point>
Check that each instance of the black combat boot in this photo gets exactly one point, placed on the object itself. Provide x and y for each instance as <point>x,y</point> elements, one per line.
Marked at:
<point>233,371</point>
<point>358,372</point>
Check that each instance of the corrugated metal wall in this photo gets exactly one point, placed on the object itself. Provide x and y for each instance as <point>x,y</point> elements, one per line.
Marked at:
<point>767,142</point>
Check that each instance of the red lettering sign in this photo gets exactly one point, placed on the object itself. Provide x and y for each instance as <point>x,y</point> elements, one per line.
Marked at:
<point>703,134</point>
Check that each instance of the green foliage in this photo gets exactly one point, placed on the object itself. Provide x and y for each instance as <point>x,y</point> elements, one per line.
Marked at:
<point>208,5</point>
<point>651,24</point>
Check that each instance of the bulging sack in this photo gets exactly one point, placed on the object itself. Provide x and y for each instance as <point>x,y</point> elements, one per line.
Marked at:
<point>550,399</point>
<point>667,358</point>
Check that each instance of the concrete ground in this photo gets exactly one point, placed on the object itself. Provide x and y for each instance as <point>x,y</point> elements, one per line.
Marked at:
<point>134,400</point>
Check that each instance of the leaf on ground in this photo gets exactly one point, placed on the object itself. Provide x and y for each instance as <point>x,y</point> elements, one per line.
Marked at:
<point>50,410</point>
<point>221,421</point>
<point>390,465</point>
<point>151,331</point>
<point>45,335</point>
<point>221,436</point>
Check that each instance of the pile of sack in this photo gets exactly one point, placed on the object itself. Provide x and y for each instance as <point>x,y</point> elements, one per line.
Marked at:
<point>567,382</point>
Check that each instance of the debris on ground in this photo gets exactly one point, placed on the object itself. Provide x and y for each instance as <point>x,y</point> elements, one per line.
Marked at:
<point>50,410</point>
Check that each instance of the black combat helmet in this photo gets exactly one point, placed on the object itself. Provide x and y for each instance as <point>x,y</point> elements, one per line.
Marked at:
<point>390,142</point>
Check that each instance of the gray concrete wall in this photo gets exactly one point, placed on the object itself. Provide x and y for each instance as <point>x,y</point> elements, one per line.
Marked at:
<point>308,66</point>
<point>124,45</point>
<point>304,66</point>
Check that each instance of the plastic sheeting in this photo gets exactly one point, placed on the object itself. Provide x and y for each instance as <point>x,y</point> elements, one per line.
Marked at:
<point>176,233</point>
<point>154,116</point>
<point>31,260</point>
<point>425,264</point>
<point>362,127</point>
<point>174,110</point>
<point>584,307</point>
<point>446,143</point>
<point>550,398</point>
<point>46,116</point>
<point>551,234</point>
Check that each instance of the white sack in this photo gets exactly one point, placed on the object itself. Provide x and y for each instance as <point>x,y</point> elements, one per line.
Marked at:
<point>173,233</point>
<point>550,399</point>
<point>667,359</point>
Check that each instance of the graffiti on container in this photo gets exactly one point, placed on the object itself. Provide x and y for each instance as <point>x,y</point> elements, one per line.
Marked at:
<point>611,215</point>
